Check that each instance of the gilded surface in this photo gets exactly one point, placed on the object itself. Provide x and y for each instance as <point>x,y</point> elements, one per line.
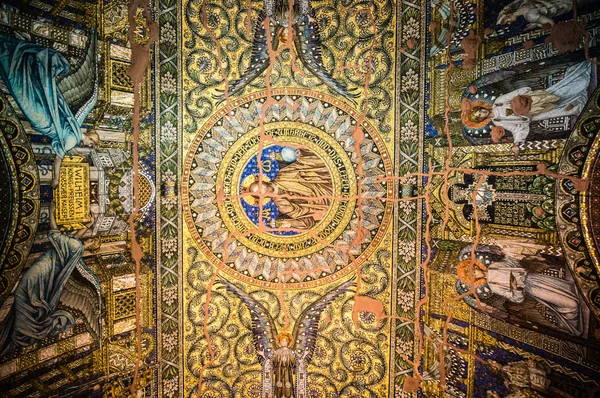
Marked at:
<point>336,198</point>
<point>329,218</point>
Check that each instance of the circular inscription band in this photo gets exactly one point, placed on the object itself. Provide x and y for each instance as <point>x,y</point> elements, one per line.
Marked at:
<point>280,208</point>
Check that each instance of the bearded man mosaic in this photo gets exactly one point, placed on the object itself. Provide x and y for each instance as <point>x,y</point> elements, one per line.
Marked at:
<point>299,198</point>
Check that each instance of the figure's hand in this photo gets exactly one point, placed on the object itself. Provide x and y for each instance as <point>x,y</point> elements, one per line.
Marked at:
<point>52,216</point>
<point>92,220</point>
<point>515,149</point>
<point>56,171</point>
<point>262,354</point>
<point>285,224</point>
<point>479,273</point>
<point>531,26</point>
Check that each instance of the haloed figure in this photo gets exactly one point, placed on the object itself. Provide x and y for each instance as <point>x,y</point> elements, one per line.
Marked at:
<point>493,272</point>
<point>284,367</point>
<point>302,190</point>
<point>293,352</point>
<point>517,109</point>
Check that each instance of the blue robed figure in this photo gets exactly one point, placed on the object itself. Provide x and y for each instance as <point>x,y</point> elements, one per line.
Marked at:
<point>54,99</point>
<point>49,282</point>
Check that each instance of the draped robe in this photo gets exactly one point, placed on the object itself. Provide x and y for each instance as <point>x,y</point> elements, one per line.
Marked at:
<point>304,191</point>
<point>559,296</point>
<point>567,97</point>
<point>284,364</point>
<point>34,315</point>
<point>30,72</point>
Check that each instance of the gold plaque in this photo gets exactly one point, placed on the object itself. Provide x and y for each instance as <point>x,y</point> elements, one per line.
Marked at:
<point>72,195</point>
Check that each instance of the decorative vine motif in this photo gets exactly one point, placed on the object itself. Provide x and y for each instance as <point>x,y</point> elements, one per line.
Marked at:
<point>167,161</point>
<point>348,358</point>
<point>410,27</point>
<point>357,40</point>
<point>346,34</point>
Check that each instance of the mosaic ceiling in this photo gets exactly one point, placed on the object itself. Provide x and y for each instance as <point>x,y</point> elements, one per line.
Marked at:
<point>299,198</point>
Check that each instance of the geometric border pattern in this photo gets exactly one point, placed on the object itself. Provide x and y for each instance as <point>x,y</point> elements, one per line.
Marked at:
<point>168,133</point>
<point>410,72</point>
<point>572,219</point>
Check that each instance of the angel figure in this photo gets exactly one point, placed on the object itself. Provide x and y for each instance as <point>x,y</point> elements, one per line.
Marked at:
<point>58,280</point>
<point>55,98</point>
<point>283,364</point>
<point>294,351</point>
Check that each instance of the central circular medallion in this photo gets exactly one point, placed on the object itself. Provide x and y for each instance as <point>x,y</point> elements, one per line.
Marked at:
<point>297,199</point>
<point>281,193</point>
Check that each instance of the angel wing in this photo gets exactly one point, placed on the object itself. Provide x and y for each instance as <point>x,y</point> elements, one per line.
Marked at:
<point>80,87</point>
<point>495,82</point>
<point>263,327</point>
<point>305,330</point>
<point>454,364</point>
<point>84,298</point>
<point>259,61</point>
<point>307,42</point>
<point>464,13</point>
<point>505,81</point>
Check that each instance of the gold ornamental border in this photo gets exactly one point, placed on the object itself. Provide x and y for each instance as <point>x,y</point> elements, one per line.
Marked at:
<point>344,107</point>
<point>584,197</point>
